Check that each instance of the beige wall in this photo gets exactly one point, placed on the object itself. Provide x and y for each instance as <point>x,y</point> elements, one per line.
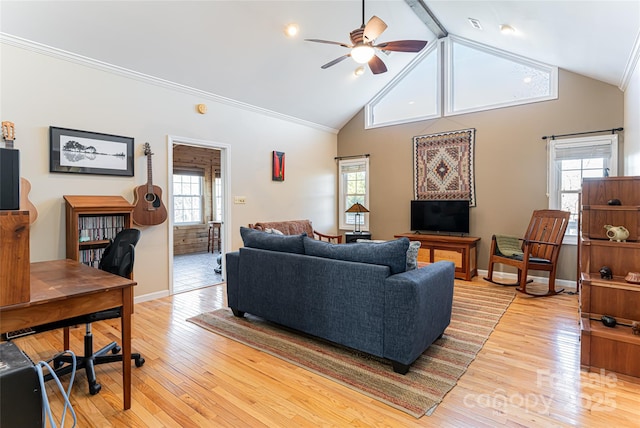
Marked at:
<point>41,90</point>
<point>510,159</point>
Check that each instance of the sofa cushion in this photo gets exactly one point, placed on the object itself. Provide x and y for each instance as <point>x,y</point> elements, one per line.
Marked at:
<point>412,251</point>
<point>269,241</point>
<point>391,253</point>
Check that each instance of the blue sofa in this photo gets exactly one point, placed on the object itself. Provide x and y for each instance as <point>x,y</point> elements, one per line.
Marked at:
<point>357,295</point>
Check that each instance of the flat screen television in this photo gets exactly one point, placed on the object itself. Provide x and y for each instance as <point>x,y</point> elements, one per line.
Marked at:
<point>451,217</point>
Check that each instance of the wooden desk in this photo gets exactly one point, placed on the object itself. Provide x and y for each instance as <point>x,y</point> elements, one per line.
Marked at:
<point>62,289</point>
<point>461,250</point>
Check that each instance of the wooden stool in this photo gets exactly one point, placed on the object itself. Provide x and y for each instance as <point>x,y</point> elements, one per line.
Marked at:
<point>214,240</point>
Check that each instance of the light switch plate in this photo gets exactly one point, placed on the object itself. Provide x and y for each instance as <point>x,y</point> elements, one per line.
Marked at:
<point>239,199</point>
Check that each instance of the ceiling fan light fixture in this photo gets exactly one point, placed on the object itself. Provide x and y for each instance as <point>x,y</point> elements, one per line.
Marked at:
<point>359,71</point>
<point>362,53</point>
<point>291,30</point>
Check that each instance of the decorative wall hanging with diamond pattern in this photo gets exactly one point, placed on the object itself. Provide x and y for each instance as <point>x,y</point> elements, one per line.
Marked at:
<point>443,166</point>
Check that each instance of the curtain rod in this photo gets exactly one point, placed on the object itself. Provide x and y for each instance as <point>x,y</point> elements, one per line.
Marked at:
<point>553,137</point>
<point>366,155</point>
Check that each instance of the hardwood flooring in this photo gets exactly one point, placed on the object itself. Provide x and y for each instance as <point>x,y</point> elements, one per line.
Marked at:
<point>527,374</point>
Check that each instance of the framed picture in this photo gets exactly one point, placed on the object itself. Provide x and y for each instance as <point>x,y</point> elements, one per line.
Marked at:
<point>83,152</point>
<point>277,166</point>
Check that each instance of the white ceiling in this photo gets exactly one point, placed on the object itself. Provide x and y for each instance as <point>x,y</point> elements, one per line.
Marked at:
<point>238,50</point>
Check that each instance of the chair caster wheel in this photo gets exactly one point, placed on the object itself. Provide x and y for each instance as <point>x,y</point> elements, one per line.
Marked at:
<point>115,350</point>
<point>139,362</point>
<point>95,388</point>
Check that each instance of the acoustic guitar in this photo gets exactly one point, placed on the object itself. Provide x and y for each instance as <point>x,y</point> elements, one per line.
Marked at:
<point>9,136</point>
<point>149,209</point>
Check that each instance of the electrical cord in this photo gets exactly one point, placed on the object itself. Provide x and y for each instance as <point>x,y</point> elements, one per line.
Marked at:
<point>46,409</point>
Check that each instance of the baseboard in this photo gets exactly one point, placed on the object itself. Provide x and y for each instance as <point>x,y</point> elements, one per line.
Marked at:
<point>566,283</point>
<point>151,296</point>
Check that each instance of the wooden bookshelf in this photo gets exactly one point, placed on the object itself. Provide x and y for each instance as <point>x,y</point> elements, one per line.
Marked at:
<point>616,349</point>
<point>91,222</point>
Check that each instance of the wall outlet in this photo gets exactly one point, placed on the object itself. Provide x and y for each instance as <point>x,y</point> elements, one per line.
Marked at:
<point>239,199</point>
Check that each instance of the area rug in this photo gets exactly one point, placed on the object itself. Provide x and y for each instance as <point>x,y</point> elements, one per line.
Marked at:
<point>443,166</point>
<point>476,311</point>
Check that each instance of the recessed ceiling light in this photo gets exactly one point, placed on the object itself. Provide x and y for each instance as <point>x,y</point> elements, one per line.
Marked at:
<point>527,79</point>
<point>475,23</point>
<point>291,30</point>
<point>507,29</point>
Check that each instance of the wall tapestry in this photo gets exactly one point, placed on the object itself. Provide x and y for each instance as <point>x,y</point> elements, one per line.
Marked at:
<point>443,166</point>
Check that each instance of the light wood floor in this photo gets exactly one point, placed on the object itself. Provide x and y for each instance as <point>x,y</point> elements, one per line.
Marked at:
<point>527,374</point>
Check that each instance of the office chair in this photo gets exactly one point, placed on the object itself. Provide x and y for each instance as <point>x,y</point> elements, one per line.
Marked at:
<point>118,259</point>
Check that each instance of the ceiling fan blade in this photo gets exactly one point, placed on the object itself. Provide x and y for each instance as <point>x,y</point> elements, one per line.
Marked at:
<point>335,61</point>
<point>403,46</point>
<point>328,42</point>
<point>376,65</point>
<point>374,28</point>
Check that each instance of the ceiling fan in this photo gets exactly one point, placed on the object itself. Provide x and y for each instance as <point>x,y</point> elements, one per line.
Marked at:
<point>364,51</point>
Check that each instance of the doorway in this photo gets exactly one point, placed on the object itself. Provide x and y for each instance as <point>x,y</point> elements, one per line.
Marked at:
<point>197,210</point>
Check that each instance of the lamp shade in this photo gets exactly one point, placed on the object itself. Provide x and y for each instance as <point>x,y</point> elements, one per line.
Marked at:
<point>357,208</point>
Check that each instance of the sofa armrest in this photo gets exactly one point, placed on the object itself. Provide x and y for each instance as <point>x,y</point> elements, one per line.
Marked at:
<point>334,239</point>
<point>417,310</point>
<point>233,278</point>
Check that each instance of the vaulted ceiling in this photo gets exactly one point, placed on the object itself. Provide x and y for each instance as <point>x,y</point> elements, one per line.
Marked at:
<point>237,50</point>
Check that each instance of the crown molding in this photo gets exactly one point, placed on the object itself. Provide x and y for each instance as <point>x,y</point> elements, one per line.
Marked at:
<point>632,64</point>
<point>61,54</point>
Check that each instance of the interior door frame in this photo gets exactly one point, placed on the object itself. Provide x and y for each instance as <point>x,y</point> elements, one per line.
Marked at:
<point>225,175</point>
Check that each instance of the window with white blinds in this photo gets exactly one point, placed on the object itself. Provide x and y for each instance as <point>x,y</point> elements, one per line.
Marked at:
<point>571,160</point>
<point>354,187</point>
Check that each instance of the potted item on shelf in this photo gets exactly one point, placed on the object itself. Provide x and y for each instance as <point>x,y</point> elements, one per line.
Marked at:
<point>633,277</point>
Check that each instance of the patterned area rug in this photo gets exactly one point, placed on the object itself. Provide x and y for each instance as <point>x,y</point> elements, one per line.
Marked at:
<point>476,311</point>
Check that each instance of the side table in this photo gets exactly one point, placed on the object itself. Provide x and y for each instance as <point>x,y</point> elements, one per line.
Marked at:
<point>351,237</point>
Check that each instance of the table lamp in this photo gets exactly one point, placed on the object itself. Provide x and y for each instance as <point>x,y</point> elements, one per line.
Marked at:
<point>358,209</point>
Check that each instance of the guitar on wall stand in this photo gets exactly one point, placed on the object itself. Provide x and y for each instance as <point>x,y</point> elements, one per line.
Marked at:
<point>149,209</point>
<point>9,136</point>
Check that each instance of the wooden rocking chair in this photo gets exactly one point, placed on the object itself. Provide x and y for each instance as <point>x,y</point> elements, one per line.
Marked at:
<point>538,250</point>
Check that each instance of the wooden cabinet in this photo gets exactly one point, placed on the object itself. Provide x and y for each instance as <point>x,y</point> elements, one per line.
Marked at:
<point>14,257</point>
<point>461,250</point>
<point>615,349</point>
<point>91,221</point>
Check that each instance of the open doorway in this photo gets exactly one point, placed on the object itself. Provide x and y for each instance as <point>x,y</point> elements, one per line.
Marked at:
<point>197,212</point>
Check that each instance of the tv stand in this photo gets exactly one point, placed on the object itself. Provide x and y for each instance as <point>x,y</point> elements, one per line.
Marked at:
<point>461,250</point>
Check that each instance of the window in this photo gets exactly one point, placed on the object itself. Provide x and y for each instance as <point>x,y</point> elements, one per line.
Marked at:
<point>188,197</point>
<point>354,187</point>
<point>480,78</point>
<point>411,96</point>
<point>572,159</point>
<point>456,76</point>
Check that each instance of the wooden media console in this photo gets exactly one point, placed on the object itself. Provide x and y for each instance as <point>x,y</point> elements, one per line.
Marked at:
<point>461,250</point>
